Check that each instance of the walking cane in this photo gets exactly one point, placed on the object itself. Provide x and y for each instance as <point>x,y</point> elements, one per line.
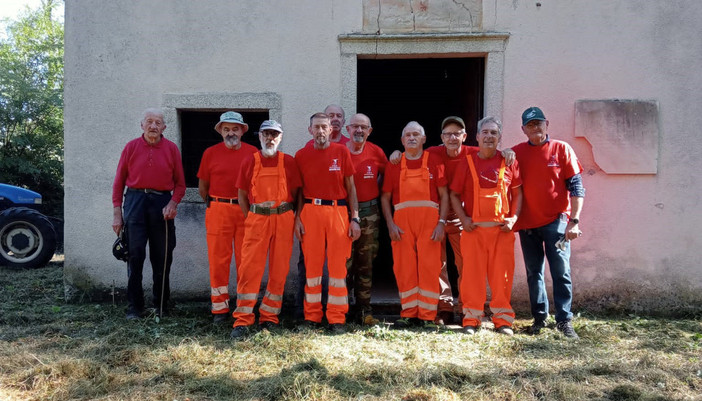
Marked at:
<point>165,263</point>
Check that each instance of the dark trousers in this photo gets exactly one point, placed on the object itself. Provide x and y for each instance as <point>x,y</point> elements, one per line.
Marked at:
<point>537,243</point>
<point>143,218</point>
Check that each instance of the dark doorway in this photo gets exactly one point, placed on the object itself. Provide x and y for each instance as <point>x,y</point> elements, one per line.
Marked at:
<point>393,92</point>
<point>198,133</point>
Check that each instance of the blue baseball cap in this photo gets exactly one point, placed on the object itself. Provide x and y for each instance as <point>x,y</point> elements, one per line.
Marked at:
<point>532,113</point>
<point>271,125</point>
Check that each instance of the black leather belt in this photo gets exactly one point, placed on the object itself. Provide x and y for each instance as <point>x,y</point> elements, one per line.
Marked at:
<point>146,191</point>
<point>267,211</point>
<point>369,203</point>
<point>326,202</point>
<point>224,200</point>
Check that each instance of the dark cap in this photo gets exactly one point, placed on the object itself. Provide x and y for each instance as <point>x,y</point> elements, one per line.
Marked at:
<point>119,248</point>
<point>454,120</point>
<point>532,113</point>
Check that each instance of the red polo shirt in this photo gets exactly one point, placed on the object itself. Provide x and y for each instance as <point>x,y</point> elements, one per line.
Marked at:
<point>143,165</point>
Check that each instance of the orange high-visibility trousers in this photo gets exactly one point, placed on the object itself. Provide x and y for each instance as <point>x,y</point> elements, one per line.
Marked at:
<point>417,262</point>
<point>487,252</point>
<point>326,229</point>
<point>264,234</point>
<point>224,223</point>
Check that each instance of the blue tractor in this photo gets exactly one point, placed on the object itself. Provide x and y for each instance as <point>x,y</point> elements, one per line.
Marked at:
<point>27,237</point>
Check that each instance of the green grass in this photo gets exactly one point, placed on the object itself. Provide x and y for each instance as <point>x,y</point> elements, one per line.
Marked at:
<point>50,350</point>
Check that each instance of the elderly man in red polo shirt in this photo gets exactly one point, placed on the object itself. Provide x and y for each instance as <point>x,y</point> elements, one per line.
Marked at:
<point>150,167</point>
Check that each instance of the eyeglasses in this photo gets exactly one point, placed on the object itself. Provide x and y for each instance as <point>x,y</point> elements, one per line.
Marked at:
<point>270,133</point>
<point>450,134</point>
<point>354,127</point>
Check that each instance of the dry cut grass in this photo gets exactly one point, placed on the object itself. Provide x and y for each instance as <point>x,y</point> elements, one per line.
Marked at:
<point>50,350</point>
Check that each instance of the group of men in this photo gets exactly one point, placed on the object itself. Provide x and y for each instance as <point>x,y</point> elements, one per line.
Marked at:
<point>330,196</point>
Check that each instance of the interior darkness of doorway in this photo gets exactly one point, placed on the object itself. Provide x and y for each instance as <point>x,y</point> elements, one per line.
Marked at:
<point>198,133</point>
<point>393,92</point>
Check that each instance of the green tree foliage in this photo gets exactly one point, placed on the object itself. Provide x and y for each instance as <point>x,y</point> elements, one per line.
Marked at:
<point>31,105</point>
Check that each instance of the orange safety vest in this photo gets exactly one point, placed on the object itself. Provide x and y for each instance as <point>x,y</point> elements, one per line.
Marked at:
<point>489,204</point>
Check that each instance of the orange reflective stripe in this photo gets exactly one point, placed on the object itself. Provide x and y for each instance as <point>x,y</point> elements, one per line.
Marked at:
<point>428,306</point>
<point>223,290</point>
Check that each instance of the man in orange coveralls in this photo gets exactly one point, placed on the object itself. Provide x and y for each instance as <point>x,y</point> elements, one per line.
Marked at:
<point>491,193</point>
<point>268,184</point>
<point>322,222</point>
<point>417,189</point>
<point>224,220</point>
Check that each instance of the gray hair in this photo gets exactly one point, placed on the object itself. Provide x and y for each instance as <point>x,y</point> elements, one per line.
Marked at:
<point>490,119</point>
<point>414,124</point>
<point>343,113</point>
<point>153,110</point>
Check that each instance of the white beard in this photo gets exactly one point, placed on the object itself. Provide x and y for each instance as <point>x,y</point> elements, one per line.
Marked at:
<point>268,152</point>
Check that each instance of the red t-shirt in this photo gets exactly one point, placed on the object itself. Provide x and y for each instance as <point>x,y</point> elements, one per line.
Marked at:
<point>391,181</point>
<point>488,173</point>
<point>369,164</point>
<point>544,169</point>
<point>452,163</point>
<point>292,175</point>
<point>323,171</point>
<point>220,167</point>
<point>450,166</point>
<point>142,165</point>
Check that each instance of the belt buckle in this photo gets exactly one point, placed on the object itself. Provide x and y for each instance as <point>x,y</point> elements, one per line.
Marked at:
<point>317,201</point>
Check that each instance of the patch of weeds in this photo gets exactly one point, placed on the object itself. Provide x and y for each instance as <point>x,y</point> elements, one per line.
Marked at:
<point>604,369</point>
<point>221,386</point>
<point>382,332</point>
<point>417,395</point>
<point>625,392</point>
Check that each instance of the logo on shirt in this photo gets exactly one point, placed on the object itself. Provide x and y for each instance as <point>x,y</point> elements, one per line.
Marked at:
<point>369,172</point>
<point>493,173</point>
<point>335,165</point>
<point>553,162</point>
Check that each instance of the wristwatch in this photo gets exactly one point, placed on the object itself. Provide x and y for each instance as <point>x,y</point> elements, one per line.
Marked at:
<point>442,221</point>
<point>576,221</point>
<point>357,220</point>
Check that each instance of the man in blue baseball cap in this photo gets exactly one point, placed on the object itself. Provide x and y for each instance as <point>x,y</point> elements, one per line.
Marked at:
<point>550,218</point>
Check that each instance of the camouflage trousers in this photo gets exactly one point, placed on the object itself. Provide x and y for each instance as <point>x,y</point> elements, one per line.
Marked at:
<point>359,278</point>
